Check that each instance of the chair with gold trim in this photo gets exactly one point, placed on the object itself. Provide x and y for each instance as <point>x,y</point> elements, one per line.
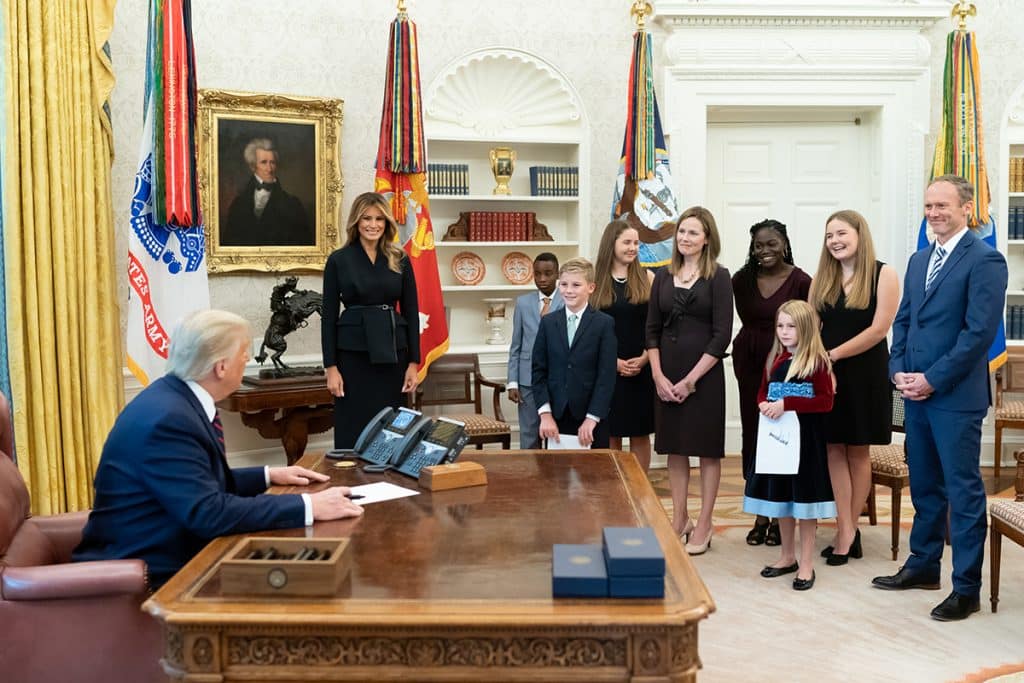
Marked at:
<point>889,468</point>
<point>1009,414</point>
<point>455,379</point>
<point>1007,519</point>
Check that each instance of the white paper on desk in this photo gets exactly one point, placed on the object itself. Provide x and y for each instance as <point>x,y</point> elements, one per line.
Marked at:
<point>778,444</point>
<point>566,442</point>
<point>381,491</point>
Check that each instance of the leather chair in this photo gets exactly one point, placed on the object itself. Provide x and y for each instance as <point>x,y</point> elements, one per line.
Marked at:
<point>1008,414</point>
<point>889,468</point>
<point>1007,519</point>
<point>63,621</point>
<point>455,379</point>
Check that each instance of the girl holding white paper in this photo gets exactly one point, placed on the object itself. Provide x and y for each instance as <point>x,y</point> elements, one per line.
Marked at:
<point>798,378</point>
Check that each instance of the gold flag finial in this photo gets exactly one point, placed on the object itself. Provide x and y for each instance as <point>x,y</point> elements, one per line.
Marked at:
<point>401,6</point>
<point>639,11</point>
<point>962,10</point>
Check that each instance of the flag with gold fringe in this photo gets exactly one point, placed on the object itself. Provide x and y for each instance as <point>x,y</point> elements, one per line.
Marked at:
<point>401,177</point>
<point>959,150</point>
<point>166,245</point>
<point>643,188</point>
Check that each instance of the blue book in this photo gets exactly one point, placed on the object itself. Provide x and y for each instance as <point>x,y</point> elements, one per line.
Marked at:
<point>577,571</point>
<point>636,586</point>
<point>633,551</point>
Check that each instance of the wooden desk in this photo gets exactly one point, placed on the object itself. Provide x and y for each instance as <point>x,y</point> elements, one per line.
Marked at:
<point>453,586</point>
<point>305,408</point>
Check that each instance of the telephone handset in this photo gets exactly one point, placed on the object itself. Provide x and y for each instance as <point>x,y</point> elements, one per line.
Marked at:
<point>441,445</point>
<point>390,435</point>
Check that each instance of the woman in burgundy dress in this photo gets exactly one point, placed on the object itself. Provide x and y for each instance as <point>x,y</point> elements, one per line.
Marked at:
<point>766,281</point>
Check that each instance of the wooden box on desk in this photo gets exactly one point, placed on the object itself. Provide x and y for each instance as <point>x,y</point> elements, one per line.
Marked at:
<point>241,576</point>
<point>453,475</point>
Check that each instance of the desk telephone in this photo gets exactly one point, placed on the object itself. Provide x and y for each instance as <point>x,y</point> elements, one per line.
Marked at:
<point>406,440</point>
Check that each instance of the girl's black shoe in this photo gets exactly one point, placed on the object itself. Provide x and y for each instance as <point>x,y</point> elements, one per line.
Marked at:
<point>773,537</point>
<point>757,535</point>
<point>803,584</point>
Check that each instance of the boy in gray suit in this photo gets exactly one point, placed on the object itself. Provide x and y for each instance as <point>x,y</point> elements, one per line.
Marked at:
<point>528,312</point>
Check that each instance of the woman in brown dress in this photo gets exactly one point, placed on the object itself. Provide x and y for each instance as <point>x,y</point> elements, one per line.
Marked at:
<point>689,322</point>
<point>766,281</point>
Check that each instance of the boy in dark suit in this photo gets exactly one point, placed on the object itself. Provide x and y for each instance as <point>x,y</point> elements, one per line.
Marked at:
<point>530,308</point>
<point>574,362</point>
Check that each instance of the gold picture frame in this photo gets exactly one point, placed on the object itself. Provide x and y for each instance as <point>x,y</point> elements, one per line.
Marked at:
<point>295,225</point>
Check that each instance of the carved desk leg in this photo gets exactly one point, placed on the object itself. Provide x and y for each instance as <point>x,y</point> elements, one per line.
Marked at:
<point>293,427</point>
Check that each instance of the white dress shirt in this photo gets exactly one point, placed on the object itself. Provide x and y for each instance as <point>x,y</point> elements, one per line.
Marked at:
<point>949,246</point>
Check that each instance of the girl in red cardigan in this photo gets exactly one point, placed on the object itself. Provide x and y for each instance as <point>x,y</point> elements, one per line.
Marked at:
<point>798,377</point>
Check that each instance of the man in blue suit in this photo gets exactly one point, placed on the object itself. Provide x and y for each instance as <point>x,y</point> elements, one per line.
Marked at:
<point>574,362</point>
<point>530,308</point>
<point>952,303</point>
<point>163,486</point>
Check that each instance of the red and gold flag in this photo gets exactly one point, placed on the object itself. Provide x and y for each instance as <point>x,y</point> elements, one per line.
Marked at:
<point>401,176</point>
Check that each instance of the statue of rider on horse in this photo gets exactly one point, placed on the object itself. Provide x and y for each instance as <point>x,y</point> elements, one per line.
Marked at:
<point>290,309</point>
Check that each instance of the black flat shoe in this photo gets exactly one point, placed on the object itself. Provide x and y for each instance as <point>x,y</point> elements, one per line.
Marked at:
<point>803,584</point>
<point>956,607</point>
<point>774,536</point>
<point>906,579</point>
<point>756,536</point>
<point>772,572</point>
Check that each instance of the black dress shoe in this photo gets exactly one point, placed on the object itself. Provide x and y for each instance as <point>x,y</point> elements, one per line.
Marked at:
<point>856,550</point>
<point>835,559</point>
<point>772,572</point>
<point>827,552</point>
<point>956,607</point>
<point>803,584</point>
<point>904,579</point>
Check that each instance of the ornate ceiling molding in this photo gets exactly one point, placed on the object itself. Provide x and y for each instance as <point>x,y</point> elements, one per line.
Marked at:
<point>874,14</point>
<point>496,90</point>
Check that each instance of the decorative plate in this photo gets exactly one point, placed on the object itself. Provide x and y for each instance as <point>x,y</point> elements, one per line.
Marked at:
<point>468,268</point>
<point>517,268</point>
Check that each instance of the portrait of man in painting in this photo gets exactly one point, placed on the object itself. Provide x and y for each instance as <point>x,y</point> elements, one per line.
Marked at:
<point>266,183</point>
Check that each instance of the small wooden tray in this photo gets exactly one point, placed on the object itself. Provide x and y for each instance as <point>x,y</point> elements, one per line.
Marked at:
<point>453,475</point>
<point>284,575</point>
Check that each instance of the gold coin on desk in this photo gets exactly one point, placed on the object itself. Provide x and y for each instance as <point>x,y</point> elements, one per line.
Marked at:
<point>344,464</point>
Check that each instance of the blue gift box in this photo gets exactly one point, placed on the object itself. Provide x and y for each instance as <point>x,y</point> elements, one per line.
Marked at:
<point>633,551</point>
<point>636,586</point>
<point>577,571</point>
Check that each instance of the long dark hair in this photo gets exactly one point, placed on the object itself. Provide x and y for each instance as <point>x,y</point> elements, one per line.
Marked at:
<point>749,270</point>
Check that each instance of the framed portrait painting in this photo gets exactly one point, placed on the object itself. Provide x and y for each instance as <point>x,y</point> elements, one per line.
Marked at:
<point>269,180</point>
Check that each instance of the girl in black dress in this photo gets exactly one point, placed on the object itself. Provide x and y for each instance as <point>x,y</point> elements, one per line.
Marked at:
<point>798,378</point>
<point>856,297</point>
<point>372,351</point>
<point>623,289</point>
<point>767,280</point>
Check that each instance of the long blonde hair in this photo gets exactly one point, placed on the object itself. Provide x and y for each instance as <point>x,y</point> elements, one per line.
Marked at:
<point>638,286</point>
<point>810,352</point>
<point>387,246</point>
<point>707,264</point>
<point>828,281</point>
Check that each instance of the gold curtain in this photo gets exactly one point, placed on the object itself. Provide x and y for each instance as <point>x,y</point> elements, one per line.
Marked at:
<point>62,308</point>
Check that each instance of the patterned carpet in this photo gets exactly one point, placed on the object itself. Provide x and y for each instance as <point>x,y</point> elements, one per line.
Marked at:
<point>842,629</point>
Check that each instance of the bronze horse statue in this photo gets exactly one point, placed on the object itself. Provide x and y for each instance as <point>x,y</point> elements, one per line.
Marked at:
<point>290,309</point>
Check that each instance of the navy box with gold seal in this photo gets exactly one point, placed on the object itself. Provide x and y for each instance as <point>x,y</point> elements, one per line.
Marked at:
<point>633,551</point>
<point>577,571</point>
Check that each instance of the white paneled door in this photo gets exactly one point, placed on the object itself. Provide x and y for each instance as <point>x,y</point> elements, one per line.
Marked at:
<point>795,172</point>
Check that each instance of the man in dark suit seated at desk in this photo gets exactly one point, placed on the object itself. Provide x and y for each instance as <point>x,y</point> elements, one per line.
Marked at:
<point>163,486</point>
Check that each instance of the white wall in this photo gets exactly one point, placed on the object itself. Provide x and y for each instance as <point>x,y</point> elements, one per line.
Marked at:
<point>337,48</point>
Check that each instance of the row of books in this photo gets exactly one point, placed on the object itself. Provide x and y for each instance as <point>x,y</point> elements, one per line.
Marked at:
<point>1017,174</point>
<point>501,226</point>
<point>554,181</point>
<point>1015,223</point>
<point>1015,322</point>
<point>448,178</point>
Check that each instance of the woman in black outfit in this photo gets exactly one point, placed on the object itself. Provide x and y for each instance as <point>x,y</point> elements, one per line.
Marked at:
<point>372,351</point>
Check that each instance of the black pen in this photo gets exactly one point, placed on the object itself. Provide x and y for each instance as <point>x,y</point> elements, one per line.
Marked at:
<point>354,496</point>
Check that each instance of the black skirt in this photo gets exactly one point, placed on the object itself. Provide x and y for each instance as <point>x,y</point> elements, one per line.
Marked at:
<point>368,389</point>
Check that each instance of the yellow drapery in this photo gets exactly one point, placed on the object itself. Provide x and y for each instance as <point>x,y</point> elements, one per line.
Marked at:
<point>59,234</point>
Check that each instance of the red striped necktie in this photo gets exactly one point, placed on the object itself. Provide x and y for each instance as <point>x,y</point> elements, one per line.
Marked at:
<point>218,427</point>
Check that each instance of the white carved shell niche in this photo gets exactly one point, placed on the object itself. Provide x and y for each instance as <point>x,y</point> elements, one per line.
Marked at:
<point>501,92</point>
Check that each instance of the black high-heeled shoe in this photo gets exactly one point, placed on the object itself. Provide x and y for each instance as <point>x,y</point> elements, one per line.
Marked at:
<point>855,551</point>
<point>774,536</point>
<point>757,535</point>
